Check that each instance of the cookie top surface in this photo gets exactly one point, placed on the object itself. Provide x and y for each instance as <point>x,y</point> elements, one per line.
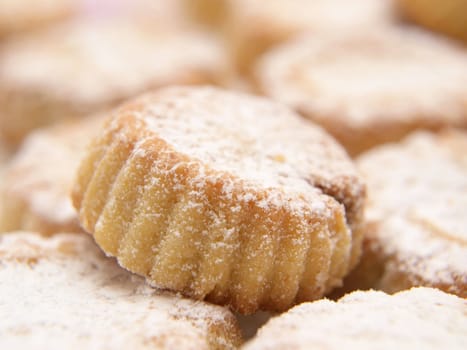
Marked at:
<point>62,290</point>
<point>299,15</point>
<point>255,140</point>
<point>96,62</point>
<point>40,174</point>
<point>360,79</point>
<point>418,318</point>
<point>417,195</point>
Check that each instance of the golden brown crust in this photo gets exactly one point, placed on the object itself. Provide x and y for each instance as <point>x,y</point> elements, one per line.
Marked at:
<point>17,16</point>
<point>211,13</point>
<point>185,210</point>
<point>447,17</point>
<point>368,88</point>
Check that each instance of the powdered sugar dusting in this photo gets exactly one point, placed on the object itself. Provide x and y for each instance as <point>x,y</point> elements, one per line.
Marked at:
<point>419,318</point>
<point>38,179</point>
<point>99,62</point>
<point>220,195</point>
<point>365,77</point>
<point>254,139</point>
<point>418,197</point>
<point>62,290</point>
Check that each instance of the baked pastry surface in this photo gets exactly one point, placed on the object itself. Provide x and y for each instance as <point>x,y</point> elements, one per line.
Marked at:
<point>253,26</point>
<point>222,196</point>
<point>420,318</point>
<point>62,292</point>
<point>35,184</point>
<point>88,66</point>
<point>370,87</point>
<point>416,210</point>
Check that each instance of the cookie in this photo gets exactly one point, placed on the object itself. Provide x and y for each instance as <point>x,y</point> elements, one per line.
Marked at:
<point>17,16</point>
<point>211,13</point>
<point>85,67</point>
<point>420,318</point>
<point>255,26</point>
<point>36,183</point>
<point>448,17</point>
<point>371,87</point>
<point>222,196</point>
<point>62,292</point>
<point>416,208</point>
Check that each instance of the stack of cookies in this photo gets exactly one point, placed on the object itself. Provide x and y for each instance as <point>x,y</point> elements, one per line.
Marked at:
<point>233,174</point>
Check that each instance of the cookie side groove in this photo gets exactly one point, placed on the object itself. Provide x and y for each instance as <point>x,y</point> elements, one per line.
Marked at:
<point>232,221</point>
<point>317,266</point>
<point>121,144</point>
<point>253,259</point>
<point>118,212</point>
<point>177,257</point>
<point>220,243</point>
<point>340,257</point>
<point>159,203</point>
<point>293,244</point>
<point>216,212</point>
<point>95,153</point>
<point>352,197</point>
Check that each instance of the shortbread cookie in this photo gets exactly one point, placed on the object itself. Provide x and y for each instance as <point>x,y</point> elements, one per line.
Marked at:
<point>417,199</point>
<point>19,15</point>
<point>370,87</point>
<point>80,68</point>
<point>256,25</point>
<point>35,185</point>
<point>62,292</point>
<point>448,16</point>
<point>222,196</point>
<point>212,13</point>
<point>420,318</point>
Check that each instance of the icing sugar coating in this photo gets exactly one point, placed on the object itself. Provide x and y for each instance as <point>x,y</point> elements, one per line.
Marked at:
<point>36,182</point>
<point>63,292</point>
<point>222,196</point>
<point>417,210</point>
<point>255,27</point>
<point>418,318</point>
<point>369,87</point>
<point>87,66</point>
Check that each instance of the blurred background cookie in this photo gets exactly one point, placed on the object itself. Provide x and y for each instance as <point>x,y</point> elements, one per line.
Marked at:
<point>420,318</point>
<point>447,16</point>
<point>370,87</point>
<point>211,13</point>
<point>19,16</point>
<point>87,66</point>
<point>222,196</point>
<point>416,209</point>
<point>62,292</point>
<point>254,26</point>
<point>36,183</point>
